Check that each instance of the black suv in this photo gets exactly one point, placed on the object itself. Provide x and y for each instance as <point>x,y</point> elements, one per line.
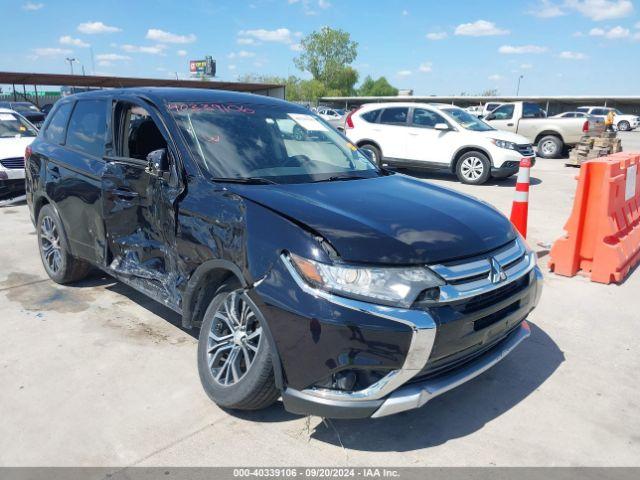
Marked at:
<point>314,275</point>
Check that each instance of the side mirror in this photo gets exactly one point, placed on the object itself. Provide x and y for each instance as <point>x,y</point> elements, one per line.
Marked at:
<point>158,161</point>
<point>490,117</point>
<point>441,126</point>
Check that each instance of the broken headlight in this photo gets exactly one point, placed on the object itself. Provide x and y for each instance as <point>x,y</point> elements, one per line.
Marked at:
<point>397,286</point>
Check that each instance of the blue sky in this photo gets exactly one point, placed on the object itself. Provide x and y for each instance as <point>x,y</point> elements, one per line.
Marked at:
<point>435,47</point>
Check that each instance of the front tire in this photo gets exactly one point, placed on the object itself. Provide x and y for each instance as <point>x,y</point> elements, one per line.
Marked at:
<point>473,168</point>
<point>624,126</point>
<point>234,355</point>
<point>60,265</point>
<point>550,147</point>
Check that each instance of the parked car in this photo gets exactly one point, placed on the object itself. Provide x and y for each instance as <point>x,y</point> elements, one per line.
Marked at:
<point>622,122</point>
<point>45,109</point>
<point>551,135</point>
<point>333,116</point>
<point>28,110</point>
<point>572,115</point>
<point>15,134</point>
<point>489,107</point>
<point>348,290</point>
<point>442,136</point>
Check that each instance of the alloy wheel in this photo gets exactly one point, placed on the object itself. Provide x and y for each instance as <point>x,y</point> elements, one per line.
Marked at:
<point>549,148</point>
<point>234,339</point>
<point>50,244</point>
<point>472,168</point>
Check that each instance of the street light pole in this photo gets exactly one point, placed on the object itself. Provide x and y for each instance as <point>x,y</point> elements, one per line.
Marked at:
<point>518,88</point>
<point>71,60</point>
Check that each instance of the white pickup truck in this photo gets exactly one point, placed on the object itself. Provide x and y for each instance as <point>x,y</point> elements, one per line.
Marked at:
<point>550,135</point>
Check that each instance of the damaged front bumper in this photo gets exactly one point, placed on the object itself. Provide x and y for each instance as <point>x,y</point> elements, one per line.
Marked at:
<point>332,334</point>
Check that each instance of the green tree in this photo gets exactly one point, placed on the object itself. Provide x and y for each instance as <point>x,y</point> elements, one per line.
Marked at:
<point>377,88</point>
<point>327,54</point>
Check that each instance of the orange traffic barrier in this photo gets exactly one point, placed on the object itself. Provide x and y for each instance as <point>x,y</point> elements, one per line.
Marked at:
<point>603,232</point>
<point>520,206</point>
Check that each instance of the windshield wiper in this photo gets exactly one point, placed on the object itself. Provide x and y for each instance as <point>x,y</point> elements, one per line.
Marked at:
<point>342,178</point>
<point>246,180</point>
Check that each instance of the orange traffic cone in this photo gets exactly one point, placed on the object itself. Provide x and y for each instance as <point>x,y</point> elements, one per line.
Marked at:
<point>520,207</point>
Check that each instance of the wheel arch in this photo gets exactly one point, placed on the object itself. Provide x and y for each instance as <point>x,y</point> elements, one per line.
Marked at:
<point>547,133</point>
<point>367,141</point>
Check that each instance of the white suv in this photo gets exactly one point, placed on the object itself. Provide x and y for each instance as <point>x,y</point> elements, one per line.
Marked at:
<point>622,121</point>
<point>436,136</point>
<point>16,133</point>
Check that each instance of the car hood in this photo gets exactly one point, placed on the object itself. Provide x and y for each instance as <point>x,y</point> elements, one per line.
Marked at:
<point>506,136</point>
<point>388,220</point>
<point>14,147</point>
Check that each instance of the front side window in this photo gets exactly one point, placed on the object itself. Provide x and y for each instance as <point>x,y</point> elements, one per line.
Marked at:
<point>14,126</point>
<point>426,118</point>
<point>137,133</point>
<point>54,131</point>
<point>504,112</point>
<point>467,121</point>
<point>88,127</point>
<point>394,116</point>
<point>279,144</point>
<point>599,111</point>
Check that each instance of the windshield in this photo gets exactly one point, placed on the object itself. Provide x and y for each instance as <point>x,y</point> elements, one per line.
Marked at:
<point>244,141</point>
<point>12,125</point>
<point>467,121</point>
<point>24,107</point>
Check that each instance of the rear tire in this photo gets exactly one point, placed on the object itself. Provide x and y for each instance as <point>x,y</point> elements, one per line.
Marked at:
<point>550,147</point>
<point>60,265</point>
<point>624,126</point>
<point>234,355</point>
<point>376,154</point>
<point>473,168</point>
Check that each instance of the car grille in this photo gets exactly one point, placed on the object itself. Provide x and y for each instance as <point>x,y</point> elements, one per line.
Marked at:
<point>525,150</point>
<point>473,314</point>
<point>13,163</point>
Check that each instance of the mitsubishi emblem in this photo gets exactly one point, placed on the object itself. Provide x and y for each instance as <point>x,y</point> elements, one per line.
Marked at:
<point>496,275</point>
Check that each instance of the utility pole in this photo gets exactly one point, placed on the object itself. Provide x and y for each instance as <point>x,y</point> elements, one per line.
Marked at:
<point>71,60</point>
<point>518,88</point>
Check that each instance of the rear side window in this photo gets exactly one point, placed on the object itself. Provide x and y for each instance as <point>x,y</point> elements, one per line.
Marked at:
<point>531,110</point>
<point>394,116</point>
<point>582,109</point>
<point>371,116</point>
<point>88,126</point>
<point>599,111</point>
<point>54,132</point>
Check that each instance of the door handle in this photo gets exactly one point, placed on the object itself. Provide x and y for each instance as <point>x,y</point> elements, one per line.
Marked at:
<point>125,193</point>
<point>509,124</point>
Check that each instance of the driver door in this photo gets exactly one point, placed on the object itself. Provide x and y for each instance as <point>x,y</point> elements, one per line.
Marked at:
<point>138,204</point>
<point>502,118</point>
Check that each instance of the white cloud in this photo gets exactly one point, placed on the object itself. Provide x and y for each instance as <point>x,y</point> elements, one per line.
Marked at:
<point>150,49</point>
<point>601,9</point>
<point>161,36</point>
<point>495,77</point>
<point>241,54</point>
<point>436,35</point>
<point>91,28</point>
<point>567,55</point>
<point>247,41</point>
<point>324,4</point>
<point>32,7</point>
<point>612,34</point>
<point>69,40</point>
<point>479,28</point>
<point>279,35</point>
<point>182,53</point>
<point>231,67</point>
<point>577,34</point>
<point>522,49</point>
<point>404,73</point>
<point>546,9</point>
<point>526,66</point>
<point>425,67</point>
<point>51,52</point>
<point>111,57</point>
